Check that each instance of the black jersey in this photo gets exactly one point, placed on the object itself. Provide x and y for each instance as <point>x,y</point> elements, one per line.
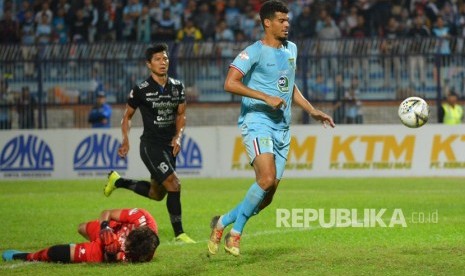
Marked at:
<point>158,106</point>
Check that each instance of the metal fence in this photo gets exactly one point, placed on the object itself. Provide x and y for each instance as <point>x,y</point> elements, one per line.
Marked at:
<point>60,76</point>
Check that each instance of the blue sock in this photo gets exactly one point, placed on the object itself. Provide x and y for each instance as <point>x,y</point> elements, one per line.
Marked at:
<point>230,216</point>
<point>252,200</point>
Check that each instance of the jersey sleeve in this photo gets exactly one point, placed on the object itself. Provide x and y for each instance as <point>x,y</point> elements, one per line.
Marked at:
<point>138,217</point>
<point>245,59</point>
<point>133,98</point>
<point>182,94</point>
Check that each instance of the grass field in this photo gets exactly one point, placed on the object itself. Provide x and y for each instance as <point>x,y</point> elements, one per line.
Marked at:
<point>38,214</point>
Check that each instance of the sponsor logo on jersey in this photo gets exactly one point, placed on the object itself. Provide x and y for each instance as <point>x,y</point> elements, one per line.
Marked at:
<point>143,84</point>
<point>244,56</point>
<point>26,153</point>
<point>283,84</point>
<point>291,62</point>
<point>190,156</point>
<point>98,152</point>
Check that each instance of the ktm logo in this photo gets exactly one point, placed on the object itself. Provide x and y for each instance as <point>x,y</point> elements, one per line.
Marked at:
<point>98,152</point>
<point>26,153</point>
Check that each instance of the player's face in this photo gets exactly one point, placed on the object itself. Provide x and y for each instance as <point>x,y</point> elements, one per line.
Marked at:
<point>159,64</point>
<point>280,26</point>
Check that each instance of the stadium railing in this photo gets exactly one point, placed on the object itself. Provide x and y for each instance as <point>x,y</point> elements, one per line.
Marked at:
<point>67,77</point>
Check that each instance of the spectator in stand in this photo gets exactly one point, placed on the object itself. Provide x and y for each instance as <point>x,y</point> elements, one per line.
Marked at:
<point>100,115</point>
<point>179,13</point>
<point>133,9</point>
<point>25,106</point>
<point>144,26</point>
<point>205,21</point>
<point>27,29</point>
<point>353,109</point>
<point>349,21</point>
<point>432,11</point>
<point>338,103</point>
<point>62,4</point>
<point>232,14</point>
<point>248,21</point>
<point>390,46</point>
<point>44,11</point>
<point>5,106</point>
<point>28,38</point>
<point>9,28</point>
<point>416,60</point>
<point>155,10</point>
<point>166,28</point>
<point>304,24</point>
<point>91,17</point>
<point>450,112</point>
<point>460,25</point>
<point>321,22</point>
<point>189,33</point>
<point>223,32</point>
<point>79,28</point>
<point>60,28</point>
<point>440,30</point>
<point>21,14</point>
<point>328,47</point>
<point>360,64</point>
<point>106,22</point>
<point>44,30</point>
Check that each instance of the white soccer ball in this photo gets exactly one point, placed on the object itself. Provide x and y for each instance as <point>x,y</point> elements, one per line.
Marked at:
<point>413,112</point>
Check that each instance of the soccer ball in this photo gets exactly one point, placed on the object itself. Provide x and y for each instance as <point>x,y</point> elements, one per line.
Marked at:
<point>413,112</point>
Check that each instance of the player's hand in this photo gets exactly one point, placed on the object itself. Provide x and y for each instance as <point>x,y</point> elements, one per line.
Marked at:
<point>107,236</point>
<point>176,144</point>
<point>324,118</point>
<point>276,102</point>
<point>123,149</point>
<point>112,248</point>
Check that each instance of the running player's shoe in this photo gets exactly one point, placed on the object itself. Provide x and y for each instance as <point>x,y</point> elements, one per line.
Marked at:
<point>232,243</point>
<point>110,186</point>
<point>215,236</point>
<point>184,238</point>
<point>8,255</point>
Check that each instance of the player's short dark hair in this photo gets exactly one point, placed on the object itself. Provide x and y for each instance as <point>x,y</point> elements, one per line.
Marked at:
<point>154,49</point>
<point>269,8</point>
<point>141,244</point>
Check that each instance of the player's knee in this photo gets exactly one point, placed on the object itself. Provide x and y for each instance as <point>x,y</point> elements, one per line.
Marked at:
<point>157,195</point>
<point>266,182</point>
<point>82,229</point>
<point>172,183</point>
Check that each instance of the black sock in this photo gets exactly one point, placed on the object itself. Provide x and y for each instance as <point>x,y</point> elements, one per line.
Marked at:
<point>59,253</point>
<point>20,256</point>
<point>173,203</point>
<point>139,187</point>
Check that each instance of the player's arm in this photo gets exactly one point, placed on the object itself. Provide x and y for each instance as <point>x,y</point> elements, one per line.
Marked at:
<point>233,84</point>
<point>316,114</point>
<point>125,127</point>
<point>180,125</point>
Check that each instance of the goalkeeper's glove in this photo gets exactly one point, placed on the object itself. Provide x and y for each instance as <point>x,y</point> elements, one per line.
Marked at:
<point>109,239</point>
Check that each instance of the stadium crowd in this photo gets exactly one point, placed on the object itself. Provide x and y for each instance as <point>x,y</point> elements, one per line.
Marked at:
<point>64,21</point>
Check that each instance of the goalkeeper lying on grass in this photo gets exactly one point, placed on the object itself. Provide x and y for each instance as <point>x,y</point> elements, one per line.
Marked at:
<point>119,235</point>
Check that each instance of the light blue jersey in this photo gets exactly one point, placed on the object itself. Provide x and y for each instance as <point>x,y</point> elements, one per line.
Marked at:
<point>271,71</point>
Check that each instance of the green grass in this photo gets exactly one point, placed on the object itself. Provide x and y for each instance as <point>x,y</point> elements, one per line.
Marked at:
<point>36,214</point>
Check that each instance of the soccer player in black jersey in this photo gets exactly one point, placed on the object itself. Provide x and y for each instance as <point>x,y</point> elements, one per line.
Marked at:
<point>162,104</point>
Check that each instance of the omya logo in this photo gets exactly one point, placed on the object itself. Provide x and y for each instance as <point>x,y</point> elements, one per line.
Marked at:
<point>190,156</point>
<point>26,153</point>
<point>98,152</point>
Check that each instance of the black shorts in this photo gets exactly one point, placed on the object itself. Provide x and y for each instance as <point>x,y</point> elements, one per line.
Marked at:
<point>159,160</point>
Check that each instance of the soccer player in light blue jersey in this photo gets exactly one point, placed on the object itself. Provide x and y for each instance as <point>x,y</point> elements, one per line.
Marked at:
<point>264,75</point>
